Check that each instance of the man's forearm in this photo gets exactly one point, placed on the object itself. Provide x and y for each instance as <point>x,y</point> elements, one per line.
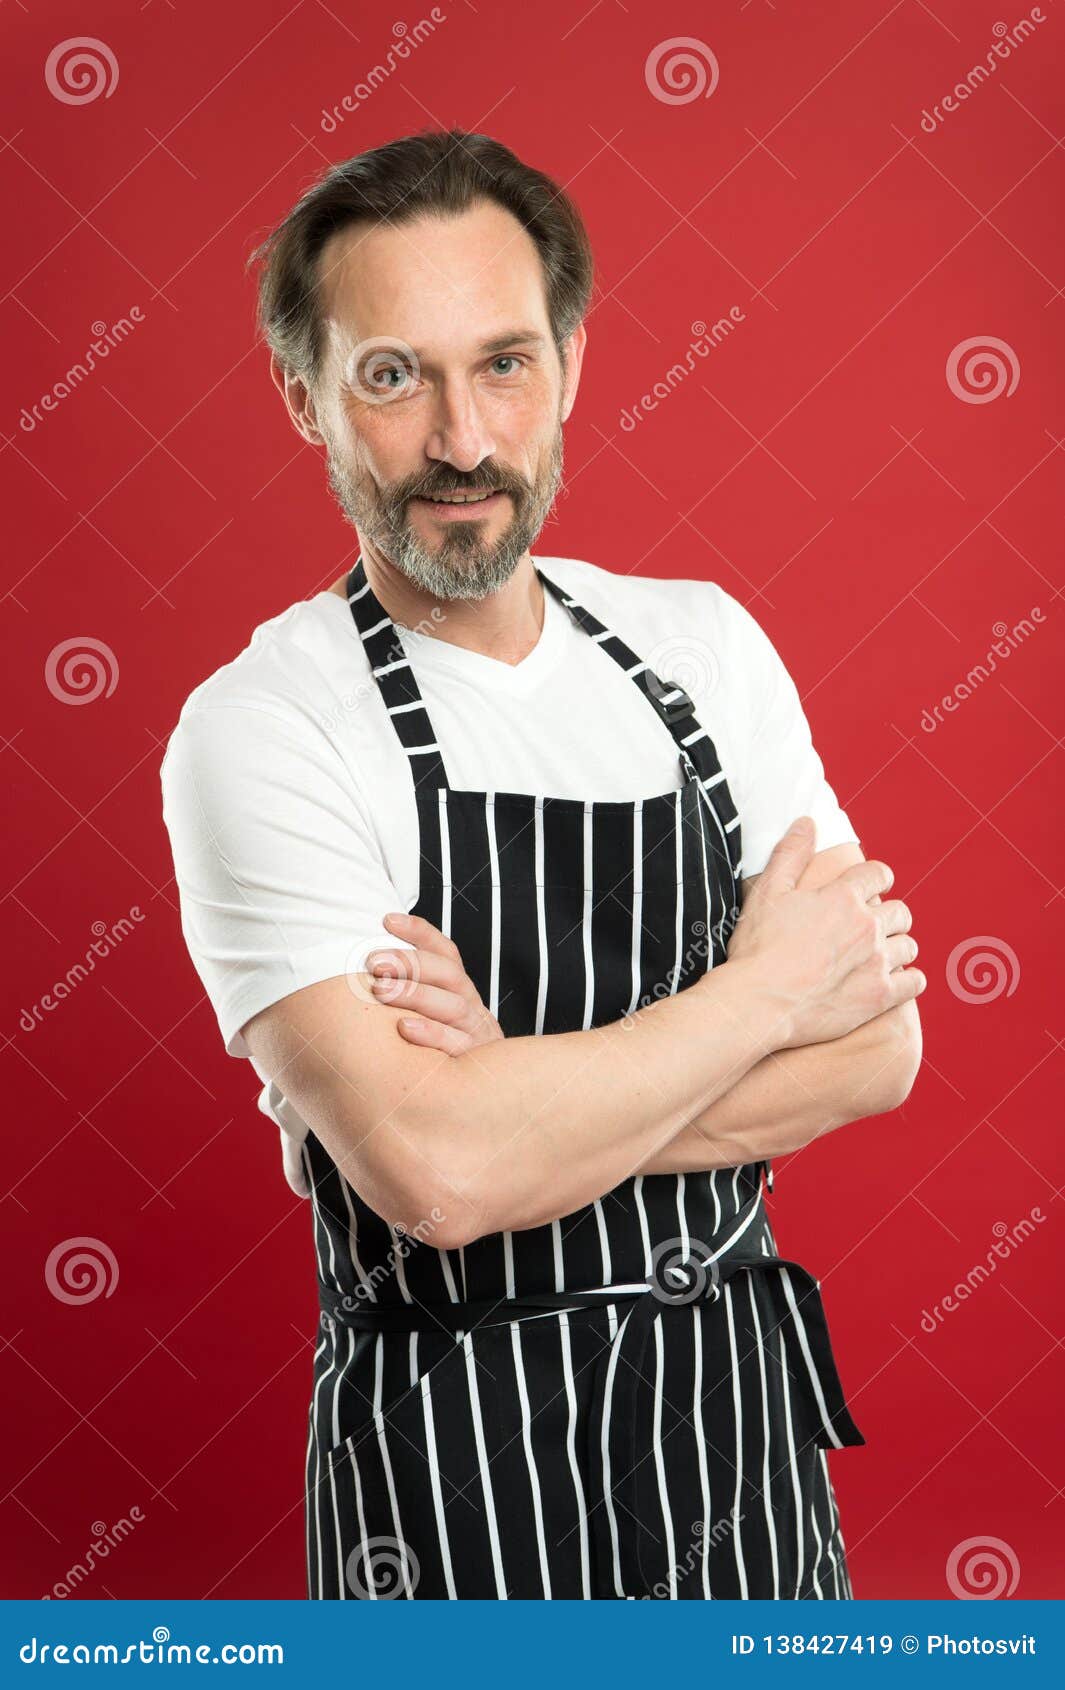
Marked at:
<point>794,1096</point>
<point>516,1132</point>
<point>532,1128</point>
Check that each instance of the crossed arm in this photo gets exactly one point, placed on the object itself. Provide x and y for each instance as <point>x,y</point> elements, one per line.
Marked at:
<point>483,1129</point>
<point>793,1096</point>
<point>786,1100</point>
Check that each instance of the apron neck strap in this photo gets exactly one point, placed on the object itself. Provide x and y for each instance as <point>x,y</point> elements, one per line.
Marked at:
<point>390,668</point>
<point>670,702</point>
<point>667,699</point>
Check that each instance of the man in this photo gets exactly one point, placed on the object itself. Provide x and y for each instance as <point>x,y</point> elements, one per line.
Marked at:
<point>462,872</point>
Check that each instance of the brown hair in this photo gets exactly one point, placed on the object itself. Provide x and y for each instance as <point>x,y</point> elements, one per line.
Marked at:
<point>438,173</point>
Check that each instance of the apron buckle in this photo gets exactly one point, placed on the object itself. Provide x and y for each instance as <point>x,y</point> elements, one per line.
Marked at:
<point>669,699</point>
<point>677,1278</point>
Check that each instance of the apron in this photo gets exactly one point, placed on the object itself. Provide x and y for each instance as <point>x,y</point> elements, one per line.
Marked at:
<point>636,1399</point>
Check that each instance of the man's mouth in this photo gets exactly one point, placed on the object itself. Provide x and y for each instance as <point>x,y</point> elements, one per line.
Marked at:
<point>454,507</point>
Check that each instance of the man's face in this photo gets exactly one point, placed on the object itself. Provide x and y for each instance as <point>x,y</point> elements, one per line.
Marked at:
<point>440,378</point>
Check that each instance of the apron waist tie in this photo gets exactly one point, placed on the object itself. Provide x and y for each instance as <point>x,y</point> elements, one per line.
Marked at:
<point>675,1284</point>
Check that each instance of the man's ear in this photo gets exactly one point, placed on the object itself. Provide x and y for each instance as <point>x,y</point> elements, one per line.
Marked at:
<point>298,402</point>
<point>572,359</point>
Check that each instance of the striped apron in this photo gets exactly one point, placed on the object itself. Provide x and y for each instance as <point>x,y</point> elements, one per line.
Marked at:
<point>636,1399</point>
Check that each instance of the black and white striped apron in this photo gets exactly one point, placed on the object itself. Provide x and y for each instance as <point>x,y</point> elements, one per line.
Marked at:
<point>636,1399</point>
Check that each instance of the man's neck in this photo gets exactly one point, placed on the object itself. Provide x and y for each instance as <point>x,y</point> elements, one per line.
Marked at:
<point>505,626</point>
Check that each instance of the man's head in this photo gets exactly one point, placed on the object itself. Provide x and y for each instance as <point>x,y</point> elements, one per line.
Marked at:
<point>424,304</point>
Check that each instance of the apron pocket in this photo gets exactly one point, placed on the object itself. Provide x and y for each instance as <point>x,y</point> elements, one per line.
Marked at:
<point>406,1489</point>
<point>369,1425</point>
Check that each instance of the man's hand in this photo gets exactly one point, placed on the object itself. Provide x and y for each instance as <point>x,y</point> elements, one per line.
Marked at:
<point>831,959</point>
<point>431,981</point>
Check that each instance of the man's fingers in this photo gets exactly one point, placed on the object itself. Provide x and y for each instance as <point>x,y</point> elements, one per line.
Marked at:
<point>402,964</point>
<point>433,1036</point>
<point>788,858</point>
<point>868,878</point>
<point>420,933</point>
<point>422,999</point>
<point>900,951</point>
<point>894,916</point>
<point>906,983</point>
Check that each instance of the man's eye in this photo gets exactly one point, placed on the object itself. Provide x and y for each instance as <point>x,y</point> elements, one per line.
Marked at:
<point>389,378</point>
<point>378,372</point>
<point>506,358</point>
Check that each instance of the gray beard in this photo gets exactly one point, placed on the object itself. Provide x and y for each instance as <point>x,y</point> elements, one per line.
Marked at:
<point>462,566</point>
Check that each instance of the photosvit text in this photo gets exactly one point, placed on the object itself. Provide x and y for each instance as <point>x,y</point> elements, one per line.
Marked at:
<point>843,1643</point>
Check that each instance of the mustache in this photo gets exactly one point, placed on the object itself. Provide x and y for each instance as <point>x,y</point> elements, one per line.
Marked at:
<point>481,480</point>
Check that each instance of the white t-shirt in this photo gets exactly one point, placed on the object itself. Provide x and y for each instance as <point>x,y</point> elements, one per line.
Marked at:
<point>289,801</point>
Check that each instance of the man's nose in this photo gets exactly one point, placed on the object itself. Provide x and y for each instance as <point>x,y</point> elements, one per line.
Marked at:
<point>459,435</point>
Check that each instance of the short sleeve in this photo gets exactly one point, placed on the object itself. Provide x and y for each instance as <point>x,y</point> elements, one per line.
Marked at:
<point>779,775</point>
<point>280,878</point>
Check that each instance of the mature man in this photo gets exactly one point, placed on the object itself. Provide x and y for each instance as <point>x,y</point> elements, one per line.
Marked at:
<point>461,870</point>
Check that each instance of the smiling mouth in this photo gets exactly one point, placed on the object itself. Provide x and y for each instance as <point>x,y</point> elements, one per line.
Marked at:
<point>451,508</point>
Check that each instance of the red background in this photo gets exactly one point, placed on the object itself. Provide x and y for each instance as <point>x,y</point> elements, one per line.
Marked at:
<point>817,464</point>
